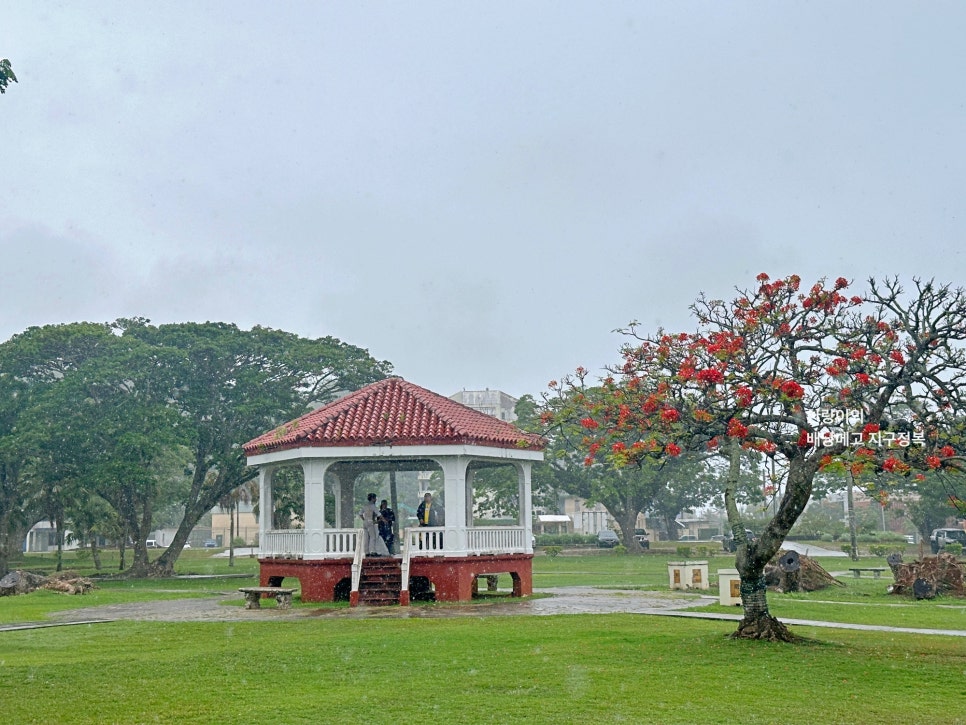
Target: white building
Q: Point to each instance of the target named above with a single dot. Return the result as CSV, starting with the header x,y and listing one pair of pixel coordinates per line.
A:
x,y
491,402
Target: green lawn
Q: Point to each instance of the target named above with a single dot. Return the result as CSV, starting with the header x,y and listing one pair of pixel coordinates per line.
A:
x,y
556,669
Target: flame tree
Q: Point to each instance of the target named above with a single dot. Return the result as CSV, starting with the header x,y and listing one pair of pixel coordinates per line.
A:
x,y
810,378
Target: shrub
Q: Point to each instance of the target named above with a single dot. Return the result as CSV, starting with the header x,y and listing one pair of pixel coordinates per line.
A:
x,y
620,549
684,551
553,551
954,548
885,549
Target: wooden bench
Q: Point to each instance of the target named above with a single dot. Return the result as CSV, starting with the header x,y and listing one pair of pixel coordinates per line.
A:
x,y
253,596
876,571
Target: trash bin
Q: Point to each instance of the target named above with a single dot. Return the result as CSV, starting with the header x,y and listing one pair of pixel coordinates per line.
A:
x,y
729,587
697,573
675,574
688,575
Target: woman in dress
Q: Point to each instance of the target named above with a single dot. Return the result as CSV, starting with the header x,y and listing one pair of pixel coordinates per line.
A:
x,y
369,514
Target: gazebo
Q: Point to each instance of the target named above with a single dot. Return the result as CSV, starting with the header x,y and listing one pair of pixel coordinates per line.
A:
x,y
393,425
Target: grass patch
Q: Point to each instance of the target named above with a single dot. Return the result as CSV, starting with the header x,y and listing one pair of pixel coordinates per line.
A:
x,y
563,668
615,668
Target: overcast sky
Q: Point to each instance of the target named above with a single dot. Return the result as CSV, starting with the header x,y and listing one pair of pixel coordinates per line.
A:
x,y
477,192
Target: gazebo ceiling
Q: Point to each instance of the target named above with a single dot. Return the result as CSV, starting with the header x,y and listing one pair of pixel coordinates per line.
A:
x,y
397,413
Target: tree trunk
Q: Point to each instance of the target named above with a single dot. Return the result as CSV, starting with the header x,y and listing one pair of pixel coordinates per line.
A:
x,y
751,557
853,540
231,533
95,553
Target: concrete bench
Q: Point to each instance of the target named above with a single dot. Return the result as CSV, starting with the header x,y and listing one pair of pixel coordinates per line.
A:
x,y
253,596
876,571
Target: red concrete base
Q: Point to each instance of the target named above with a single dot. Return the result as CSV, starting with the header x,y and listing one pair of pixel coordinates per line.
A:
x,y
317,578
453,578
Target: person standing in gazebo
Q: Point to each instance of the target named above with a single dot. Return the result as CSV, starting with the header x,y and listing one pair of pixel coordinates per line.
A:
x,y
369,514
428,515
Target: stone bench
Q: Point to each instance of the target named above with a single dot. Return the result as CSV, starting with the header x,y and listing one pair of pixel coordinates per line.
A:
x,y
876,571
253,596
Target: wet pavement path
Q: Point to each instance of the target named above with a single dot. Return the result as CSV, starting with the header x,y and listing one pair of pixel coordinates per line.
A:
x,y
562,600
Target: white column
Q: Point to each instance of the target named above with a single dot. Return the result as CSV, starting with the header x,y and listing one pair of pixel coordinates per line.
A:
x,y
336,484
265,502
470,483
454,485
314,471
526,504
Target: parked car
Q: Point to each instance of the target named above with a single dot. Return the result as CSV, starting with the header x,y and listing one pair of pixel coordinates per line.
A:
x,y
151,544
940,537
641,537
607,539
728,542
688,537
211,544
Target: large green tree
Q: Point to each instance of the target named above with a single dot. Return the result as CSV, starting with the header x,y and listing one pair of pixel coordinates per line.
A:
x,y
32,363
6,75
803,376
106,429
145,417
234,384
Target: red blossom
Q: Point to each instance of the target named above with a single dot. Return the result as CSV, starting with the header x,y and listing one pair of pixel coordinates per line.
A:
x,y
737,429
618,447
868,429
743,396
897,357
792,390
858,353
894,465
673,449
670,415
711,376
803,441
589,423
933,462
947,451
841,283
862,379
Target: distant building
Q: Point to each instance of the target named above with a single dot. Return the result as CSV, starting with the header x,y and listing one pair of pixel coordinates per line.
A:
x,y
491,402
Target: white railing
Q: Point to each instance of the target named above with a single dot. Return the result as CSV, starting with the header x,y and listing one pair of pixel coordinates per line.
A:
x,y
424,540
404,565
496,540
290,543
420,541
357,560
342,541
286,543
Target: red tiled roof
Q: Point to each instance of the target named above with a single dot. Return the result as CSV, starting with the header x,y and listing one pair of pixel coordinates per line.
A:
x,y
394,412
